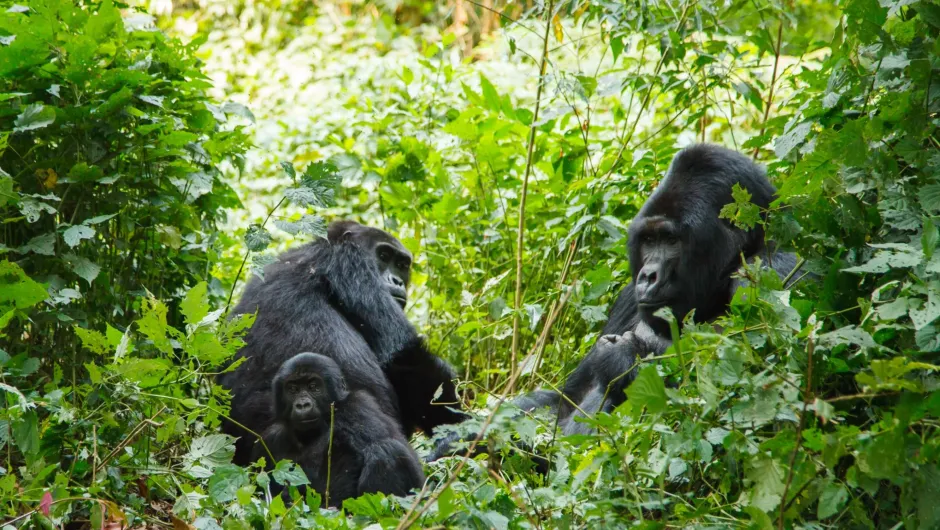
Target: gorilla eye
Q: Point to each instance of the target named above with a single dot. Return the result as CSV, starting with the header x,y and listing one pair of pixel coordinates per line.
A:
x,y
402,264
292,388
384,256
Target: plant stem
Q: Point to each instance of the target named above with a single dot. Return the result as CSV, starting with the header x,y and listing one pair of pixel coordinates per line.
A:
x,y
773,81
520,238
242,266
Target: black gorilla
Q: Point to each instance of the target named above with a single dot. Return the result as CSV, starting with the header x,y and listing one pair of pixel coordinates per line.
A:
x,y
682,256
368,451
341,297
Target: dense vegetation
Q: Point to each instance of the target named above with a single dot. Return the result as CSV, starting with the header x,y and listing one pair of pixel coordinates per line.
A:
x,y
508,146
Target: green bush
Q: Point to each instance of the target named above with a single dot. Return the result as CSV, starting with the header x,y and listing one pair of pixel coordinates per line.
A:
x,y
110,156
816,407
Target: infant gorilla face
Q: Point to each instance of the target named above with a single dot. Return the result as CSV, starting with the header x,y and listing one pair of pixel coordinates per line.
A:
x,y
304,388
305,396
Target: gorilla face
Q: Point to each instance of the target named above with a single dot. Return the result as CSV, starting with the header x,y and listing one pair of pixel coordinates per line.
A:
x,y
656,252
304,387
391,257
394,262
681,253
303,398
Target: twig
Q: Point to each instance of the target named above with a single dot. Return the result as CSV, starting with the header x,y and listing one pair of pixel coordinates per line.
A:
x,y
128,439
554,311
796,268
520,238
242,266
773,81
329,454
807,397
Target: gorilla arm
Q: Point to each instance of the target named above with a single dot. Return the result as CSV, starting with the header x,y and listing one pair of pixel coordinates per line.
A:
x,y
389,464
415,373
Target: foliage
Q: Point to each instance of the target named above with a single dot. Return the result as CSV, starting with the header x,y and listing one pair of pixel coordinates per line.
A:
x,y
812,407
110,154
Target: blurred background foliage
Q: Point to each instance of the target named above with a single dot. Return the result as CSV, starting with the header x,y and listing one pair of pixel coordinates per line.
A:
x,y
142,165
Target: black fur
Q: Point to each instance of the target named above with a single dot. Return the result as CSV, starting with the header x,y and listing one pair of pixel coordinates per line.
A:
x,y
682,215
369,452
335,297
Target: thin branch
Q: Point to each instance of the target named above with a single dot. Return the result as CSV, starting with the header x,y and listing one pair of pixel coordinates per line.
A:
x,y
520,238
242,266
773,81
807,398
329,453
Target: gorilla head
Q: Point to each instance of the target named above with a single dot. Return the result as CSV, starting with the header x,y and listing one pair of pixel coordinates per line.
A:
x,y
681,253
392,258
304,387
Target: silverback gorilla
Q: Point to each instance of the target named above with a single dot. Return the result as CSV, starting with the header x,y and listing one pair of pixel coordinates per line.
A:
x,y
310,391
341,297
682,256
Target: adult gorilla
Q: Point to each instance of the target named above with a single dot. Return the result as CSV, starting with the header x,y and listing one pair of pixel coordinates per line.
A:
x,y
682,256
342,297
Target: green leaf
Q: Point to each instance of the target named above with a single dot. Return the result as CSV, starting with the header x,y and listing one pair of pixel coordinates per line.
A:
x,y
259,262
6,189
929,197
289,169
83,267
317,186
831,500
490,96
445,503
599,279
767,477
312,225
648,390
785,143
76,233
26,434
238,109
929,238
225,482
211,451
289,473
17,290
43,245
847,335
94,374
371,505
101,24
930,310
257,238
36,116
92,340
892,256
884,457
742,212
195,305
534,313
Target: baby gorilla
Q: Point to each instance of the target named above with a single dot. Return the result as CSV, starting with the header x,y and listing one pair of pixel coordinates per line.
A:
x,y
369,453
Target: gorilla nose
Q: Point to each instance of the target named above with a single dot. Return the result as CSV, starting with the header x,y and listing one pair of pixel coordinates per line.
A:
x,y
302,406
396,281
647,280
